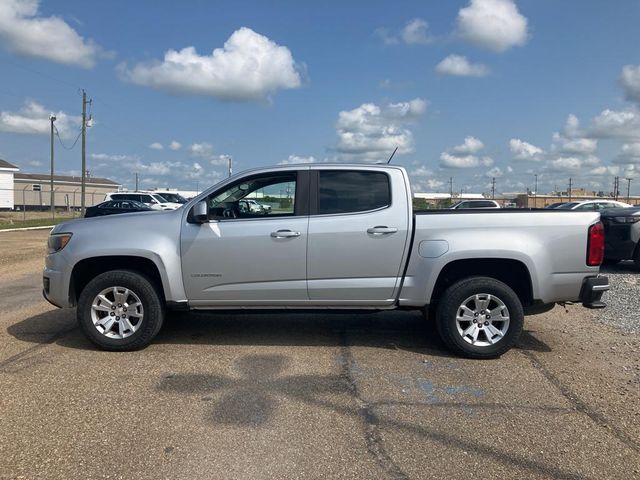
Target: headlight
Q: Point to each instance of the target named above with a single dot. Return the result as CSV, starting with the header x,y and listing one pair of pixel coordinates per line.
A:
x,y
58,241
626,219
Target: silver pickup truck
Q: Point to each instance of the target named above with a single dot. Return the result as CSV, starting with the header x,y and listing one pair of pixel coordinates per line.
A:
x,y
337,237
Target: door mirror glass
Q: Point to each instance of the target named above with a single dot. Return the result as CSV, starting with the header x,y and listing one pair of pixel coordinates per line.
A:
x,y
200,212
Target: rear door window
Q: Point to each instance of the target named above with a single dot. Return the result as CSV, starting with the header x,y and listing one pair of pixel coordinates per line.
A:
x,y
345,191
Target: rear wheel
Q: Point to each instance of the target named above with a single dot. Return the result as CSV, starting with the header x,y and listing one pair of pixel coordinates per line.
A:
x,y
120,310
479,317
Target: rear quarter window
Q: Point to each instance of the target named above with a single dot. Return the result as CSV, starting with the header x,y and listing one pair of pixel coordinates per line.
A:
x,y
345,191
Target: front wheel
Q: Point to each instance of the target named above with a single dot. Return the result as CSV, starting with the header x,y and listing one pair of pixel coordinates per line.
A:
x,y
479,317
120,310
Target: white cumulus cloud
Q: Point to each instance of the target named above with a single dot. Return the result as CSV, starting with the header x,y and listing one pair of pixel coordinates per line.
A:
x,y
293,159
470,145
156,146
204,150
33,118
623,124
249,67
494,172
421,171
563,164
464,155
106,157
201,149
580,145
630,79
416,32
464,161
493,24
371,132
24,31
459,66
175,145
630,153
522,150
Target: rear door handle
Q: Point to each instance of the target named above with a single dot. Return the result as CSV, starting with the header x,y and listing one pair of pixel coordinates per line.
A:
x,y
381,230
284,234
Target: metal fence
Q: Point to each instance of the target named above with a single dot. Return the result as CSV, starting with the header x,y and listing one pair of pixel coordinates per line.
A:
x,y
27,199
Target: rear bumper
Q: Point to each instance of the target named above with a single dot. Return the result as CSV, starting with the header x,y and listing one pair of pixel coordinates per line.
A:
x,y
592,290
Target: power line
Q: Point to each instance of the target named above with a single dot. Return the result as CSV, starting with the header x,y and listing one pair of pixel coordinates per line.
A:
x,y
62,143
38,72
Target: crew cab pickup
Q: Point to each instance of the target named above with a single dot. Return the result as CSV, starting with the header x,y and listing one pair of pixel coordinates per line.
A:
x,y
337,237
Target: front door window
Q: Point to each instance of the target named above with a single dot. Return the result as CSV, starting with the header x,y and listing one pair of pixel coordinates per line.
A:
x,y
272,195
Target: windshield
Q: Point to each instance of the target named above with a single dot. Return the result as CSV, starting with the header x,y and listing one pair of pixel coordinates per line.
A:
x,y
173,197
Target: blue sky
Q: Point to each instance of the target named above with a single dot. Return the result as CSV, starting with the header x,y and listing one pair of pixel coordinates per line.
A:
x,y
466,89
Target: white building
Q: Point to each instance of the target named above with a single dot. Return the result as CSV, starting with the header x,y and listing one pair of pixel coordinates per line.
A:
x,y
6,184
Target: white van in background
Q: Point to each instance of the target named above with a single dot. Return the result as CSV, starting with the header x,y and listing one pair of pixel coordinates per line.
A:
x,y
153,199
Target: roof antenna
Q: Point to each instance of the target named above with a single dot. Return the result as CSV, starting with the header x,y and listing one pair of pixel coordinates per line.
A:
x,y
394,152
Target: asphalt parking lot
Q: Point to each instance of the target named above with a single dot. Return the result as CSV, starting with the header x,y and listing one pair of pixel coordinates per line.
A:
x,y
311,395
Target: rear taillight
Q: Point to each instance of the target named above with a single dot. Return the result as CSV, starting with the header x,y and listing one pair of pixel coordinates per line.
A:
x,y
595,245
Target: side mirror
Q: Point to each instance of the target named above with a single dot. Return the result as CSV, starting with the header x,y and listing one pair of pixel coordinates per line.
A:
x,y
200,212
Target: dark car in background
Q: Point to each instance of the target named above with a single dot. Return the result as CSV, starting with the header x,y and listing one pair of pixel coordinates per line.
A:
x,y
622,234
113,207
465,204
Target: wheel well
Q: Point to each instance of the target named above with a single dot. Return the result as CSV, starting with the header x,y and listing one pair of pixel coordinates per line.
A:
x,y
511,272
85,270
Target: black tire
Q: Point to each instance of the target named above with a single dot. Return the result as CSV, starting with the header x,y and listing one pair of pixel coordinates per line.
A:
x,y
452,300
636,257
152,304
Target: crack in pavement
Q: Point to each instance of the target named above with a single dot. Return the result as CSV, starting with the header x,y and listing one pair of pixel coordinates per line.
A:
x,y
578,404
371,422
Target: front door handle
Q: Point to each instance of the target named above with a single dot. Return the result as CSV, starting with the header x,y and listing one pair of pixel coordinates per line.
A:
x,y
284,234
381,230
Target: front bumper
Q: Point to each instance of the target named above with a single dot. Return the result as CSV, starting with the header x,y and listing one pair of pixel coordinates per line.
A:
x,y
56,277
592,290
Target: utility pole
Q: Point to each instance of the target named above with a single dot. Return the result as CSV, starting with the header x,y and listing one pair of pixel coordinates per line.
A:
x,y
535,192
230,162
628,188
52,118
136,181
451,188
569,192
616,187
84,148
493,188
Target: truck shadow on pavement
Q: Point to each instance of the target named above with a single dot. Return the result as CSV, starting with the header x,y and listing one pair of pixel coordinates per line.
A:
x,y
401,330
250,398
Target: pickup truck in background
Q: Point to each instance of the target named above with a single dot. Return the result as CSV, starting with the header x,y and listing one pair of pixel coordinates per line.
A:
x,y
622,235
341,237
